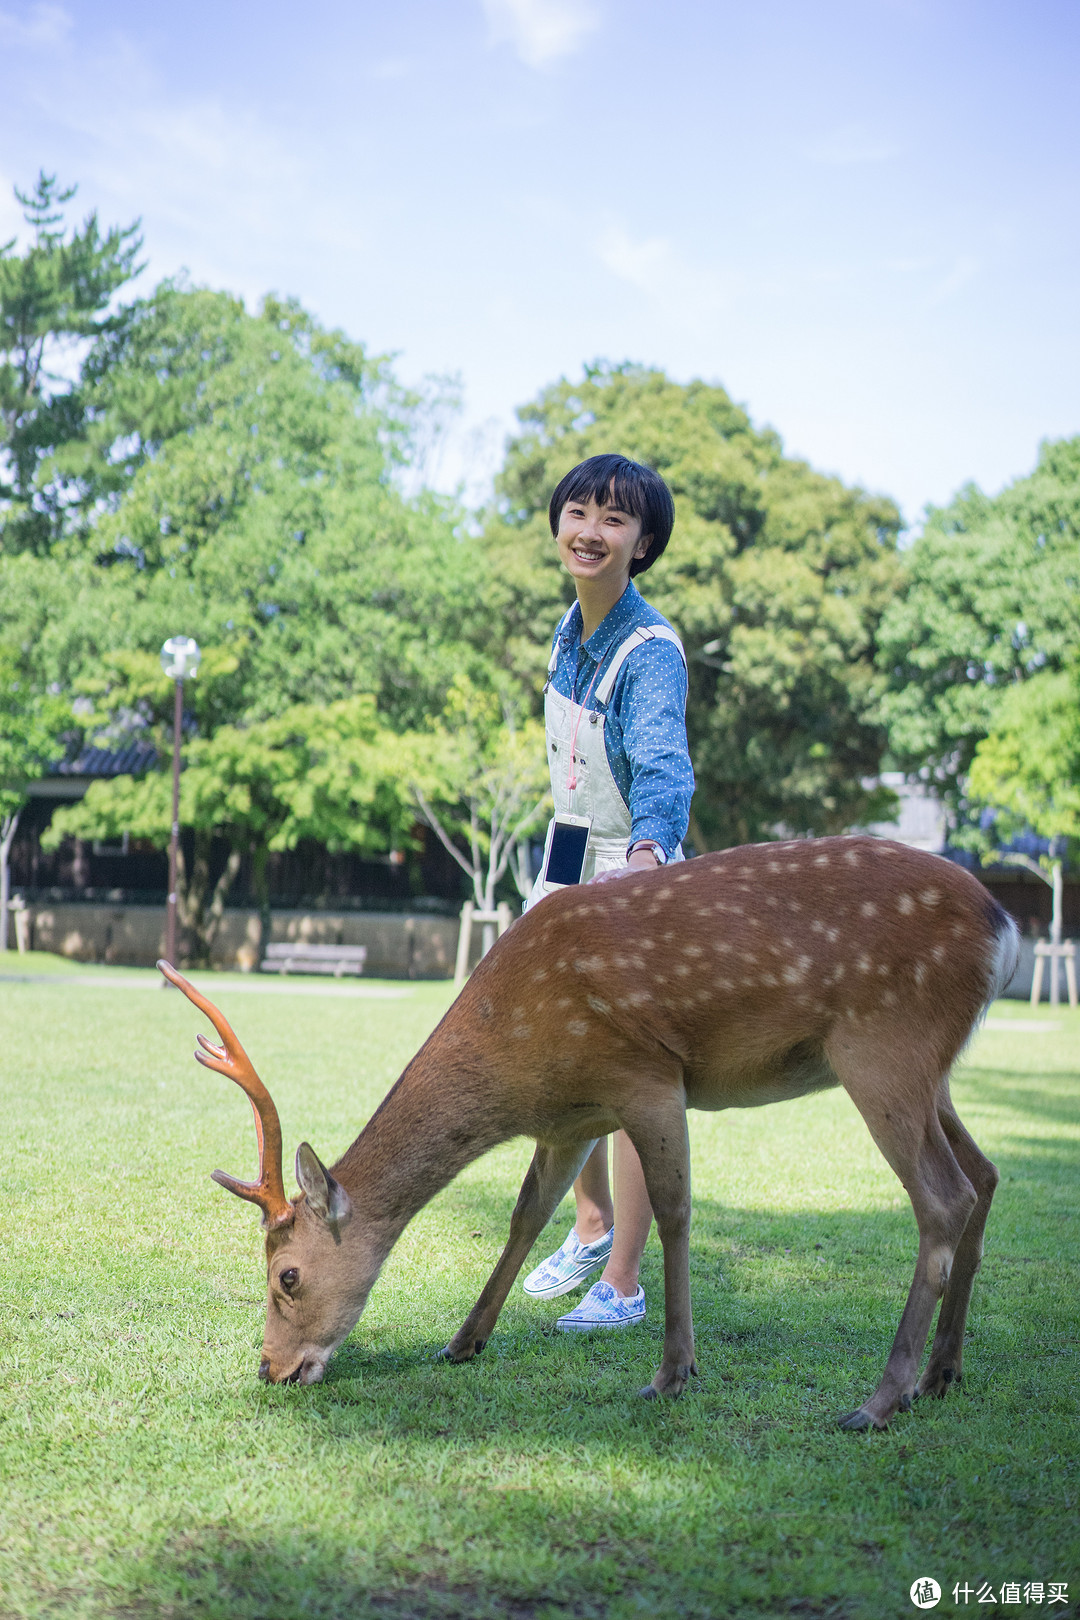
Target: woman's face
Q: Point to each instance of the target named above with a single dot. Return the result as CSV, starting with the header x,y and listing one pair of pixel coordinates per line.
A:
x,y
598,543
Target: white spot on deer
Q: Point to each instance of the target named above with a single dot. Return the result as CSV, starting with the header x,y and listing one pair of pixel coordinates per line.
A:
x,y
647,944
930,897
723,945
621,901
561,963
851,857
693,950
684,877
771,980
540,976
590,964
564,1001
832,935
789,945
771,900
883,970
577,1026
521,1032
748,956
792,975
905,904
683,971
776,866
664,894
638,998
821,860
920,972
817,926
836,975
868,908
864,964
725,984
938,953
888,999
597,1005
957,930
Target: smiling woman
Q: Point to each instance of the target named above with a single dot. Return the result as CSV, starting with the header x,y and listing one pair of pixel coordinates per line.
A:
x,y
625,778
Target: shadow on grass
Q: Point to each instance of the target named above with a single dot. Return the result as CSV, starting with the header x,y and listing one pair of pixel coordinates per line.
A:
x,y
223,1576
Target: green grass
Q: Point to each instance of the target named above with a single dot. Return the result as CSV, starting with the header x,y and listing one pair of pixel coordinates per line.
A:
x,y
147,1473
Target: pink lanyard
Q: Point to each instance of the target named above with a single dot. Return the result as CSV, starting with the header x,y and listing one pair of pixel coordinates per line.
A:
x,y
571,775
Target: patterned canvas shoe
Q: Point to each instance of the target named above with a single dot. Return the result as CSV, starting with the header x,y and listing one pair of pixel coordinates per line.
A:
x,y
602,1307
568,1266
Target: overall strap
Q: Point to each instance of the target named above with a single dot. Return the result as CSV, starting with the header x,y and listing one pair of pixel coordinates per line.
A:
x,y
563,622
644,633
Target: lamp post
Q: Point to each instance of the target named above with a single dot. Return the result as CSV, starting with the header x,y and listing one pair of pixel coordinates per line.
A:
x,y
180,660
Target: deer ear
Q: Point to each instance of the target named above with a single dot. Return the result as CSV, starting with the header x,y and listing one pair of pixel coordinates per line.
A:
x,y
326,1197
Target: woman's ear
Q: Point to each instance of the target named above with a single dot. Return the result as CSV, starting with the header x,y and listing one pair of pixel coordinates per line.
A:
x,y
642,547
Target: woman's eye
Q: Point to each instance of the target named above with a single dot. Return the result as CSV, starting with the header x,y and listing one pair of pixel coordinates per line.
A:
x,y
289,1279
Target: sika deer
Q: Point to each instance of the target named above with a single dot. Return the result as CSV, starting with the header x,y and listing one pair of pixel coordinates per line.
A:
x,y
736,979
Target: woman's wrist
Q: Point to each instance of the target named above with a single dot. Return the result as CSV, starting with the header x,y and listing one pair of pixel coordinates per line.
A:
x,y
647,846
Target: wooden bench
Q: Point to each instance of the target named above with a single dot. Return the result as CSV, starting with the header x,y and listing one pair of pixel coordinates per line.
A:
x,y
296,956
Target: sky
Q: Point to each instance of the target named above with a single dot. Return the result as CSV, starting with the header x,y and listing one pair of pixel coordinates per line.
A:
x,y
859,216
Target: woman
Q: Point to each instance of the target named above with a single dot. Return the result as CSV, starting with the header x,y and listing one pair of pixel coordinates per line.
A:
x,y
615,706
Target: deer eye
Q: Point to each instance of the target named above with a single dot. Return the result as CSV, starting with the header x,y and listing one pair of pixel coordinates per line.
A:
x,y
289,1279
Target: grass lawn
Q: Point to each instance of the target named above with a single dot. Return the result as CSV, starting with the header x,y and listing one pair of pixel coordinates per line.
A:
x,y
146,1471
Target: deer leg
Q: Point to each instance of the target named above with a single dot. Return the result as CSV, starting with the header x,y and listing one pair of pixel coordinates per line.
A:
x,y
946,1354
663,1146
902,1117
553,1169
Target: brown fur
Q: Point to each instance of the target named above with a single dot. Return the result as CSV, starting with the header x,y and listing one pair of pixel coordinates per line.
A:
x,y
732,980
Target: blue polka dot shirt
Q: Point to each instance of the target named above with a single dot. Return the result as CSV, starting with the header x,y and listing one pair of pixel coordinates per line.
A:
x,y
645,730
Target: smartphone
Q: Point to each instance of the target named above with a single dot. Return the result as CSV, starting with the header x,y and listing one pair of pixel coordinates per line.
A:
x,y
564,851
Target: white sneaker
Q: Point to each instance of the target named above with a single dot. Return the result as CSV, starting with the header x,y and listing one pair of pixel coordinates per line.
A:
x,y
568,1266
603,1307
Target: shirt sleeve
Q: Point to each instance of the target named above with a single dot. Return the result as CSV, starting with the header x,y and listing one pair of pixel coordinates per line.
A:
x,y
650,708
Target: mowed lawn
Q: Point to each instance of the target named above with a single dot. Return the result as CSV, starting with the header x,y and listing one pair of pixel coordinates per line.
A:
x,y
146,1471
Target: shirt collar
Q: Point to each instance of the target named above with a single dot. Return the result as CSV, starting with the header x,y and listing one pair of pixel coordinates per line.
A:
x,y
615,625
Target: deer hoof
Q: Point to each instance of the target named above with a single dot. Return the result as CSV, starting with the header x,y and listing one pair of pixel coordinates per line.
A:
x,y
858,1421
648,1393
459,1353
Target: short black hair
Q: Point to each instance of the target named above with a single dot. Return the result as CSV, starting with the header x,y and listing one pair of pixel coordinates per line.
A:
x,y
617,481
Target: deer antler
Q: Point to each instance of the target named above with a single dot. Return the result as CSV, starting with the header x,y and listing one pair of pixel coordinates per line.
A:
x,y
231,1060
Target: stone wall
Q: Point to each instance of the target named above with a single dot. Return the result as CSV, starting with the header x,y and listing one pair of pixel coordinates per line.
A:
x,y
399,946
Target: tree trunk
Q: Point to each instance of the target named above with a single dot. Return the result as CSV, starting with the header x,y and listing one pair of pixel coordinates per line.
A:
x,y
200,909
8,828
260,882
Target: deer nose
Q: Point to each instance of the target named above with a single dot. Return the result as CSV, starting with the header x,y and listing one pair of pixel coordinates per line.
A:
x,y
264,1369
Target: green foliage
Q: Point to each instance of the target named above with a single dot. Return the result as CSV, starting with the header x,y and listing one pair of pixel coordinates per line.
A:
x,y
776,578
52,296
31,728
479,775
148,1472
1027,769
992,597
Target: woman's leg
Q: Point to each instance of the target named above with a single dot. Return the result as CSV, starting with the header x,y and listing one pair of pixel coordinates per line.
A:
x,y
592,1195
633,1218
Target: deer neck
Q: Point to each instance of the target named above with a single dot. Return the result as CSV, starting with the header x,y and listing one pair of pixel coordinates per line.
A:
x,y
436,1120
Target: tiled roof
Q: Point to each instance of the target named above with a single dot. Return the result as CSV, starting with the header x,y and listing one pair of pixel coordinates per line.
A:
x,y
129,761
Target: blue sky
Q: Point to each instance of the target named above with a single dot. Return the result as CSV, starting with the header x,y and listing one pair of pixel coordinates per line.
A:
x,y
860,216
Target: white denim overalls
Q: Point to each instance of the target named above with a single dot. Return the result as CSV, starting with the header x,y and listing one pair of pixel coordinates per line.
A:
x,y
596,793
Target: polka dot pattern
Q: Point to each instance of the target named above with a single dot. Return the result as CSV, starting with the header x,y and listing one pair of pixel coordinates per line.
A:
x,y
645,730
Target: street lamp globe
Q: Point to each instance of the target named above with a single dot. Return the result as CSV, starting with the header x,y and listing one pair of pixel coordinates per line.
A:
x,y
180,658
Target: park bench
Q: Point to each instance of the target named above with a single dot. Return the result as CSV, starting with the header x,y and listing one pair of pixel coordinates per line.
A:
x,y
296,956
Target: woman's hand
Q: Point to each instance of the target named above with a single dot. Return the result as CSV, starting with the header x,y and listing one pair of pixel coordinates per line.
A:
x,y
642,860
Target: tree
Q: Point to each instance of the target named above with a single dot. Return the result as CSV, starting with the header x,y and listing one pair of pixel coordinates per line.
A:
x,y
328,772
31,724
776,580
54,297
991,597
480,780
1025,777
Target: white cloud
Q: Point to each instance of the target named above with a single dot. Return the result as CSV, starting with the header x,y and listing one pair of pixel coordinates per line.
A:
x,y
964,270
684,290
43,25
540,31
851,144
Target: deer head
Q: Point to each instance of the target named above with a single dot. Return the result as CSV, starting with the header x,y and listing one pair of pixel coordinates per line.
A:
x,y
320,1263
